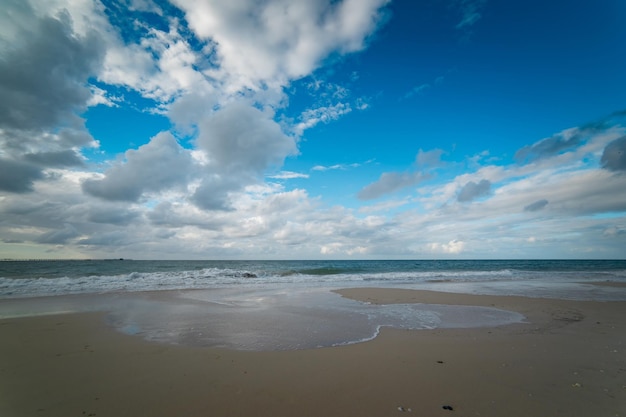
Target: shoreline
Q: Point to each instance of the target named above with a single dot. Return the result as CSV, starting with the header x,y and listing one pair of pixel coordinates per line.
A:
x,y
568,359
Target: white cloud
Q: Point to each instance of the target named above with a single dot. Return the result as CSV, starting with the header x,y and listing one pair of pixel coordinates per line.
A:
x,y
312,117
44,68
272,42
223,86
331,248
161,65
242,138
362,103
335,167
383,206
288,175
159,165
240,142
452,247
145,6
100,96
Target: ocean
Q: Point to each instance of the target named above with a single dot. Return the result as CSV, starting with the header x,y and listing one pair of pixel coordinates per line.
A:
x,y
278,305
46,278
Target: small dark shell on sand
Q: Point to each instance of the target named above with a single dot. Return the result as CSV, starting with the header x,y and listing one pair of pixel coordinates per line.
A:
x,y
447,407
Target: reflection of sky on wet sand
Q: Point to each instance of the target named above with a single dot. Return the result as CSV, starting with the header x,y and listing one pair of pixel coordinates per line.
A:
x,y
281,320
275,318
564,290
257,319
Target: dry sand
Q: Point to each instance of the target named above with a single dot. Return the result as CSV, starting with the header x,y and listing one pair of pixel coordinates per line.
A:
x,y
568,360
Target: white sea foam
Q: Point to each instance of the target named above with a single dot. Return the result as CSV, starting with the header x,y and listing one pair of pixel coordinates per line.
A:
x,y
206,278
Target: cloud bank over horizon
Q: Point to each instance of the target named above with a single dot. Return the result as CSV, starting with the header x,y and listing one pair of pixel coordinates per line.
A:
x,y
269,137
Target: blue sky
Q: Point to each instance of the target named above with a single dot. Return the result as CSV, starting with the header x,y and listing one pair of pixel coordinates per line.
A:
x,y
312,129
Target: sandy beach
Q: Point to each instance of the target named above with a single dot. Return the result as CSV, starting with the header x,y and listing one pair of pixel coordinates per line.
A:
x,y
567,359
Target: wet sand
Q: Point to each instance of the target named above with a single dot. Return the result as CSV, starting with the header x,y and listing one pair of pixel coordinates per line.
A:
x,y
568,359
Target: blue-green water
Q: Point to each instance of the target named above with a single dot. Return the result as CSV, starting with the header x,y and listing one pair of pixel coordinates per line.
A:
x,y
40,278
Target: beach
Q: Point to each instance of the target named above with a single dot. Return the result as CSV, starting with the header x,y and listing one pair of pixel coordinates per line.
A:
x,y
568,358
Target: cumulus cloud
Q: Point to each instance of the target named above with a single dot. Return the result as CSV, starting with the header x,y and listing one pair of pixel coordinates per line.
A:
x,y
213,192
67,158
452,247
390,182
614,155
240,138
537,205
44,69
180,215
159,165
240,143
112,214
221,86
18,176
271,42
44,72
472,190
223,81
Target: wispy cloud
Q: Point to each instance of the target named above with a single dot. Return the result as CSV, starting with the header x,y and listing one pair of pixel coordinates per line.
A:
x,y
417,90
390,182
287,175
561,142
342,167
384,206
312,117
471,12
422,88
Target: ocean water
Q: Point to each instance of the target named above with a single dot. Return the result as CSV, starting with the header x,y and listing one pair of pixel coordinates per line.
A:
x,y
551,278
277,305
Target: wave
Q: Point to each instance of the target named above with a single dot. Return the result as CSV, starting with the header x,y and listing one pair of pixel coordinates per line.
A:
x,y
206,278
322,271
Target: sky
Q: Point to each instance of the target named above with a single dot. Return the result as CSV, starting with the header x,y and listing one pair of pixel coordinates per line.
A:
x,y
312,129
